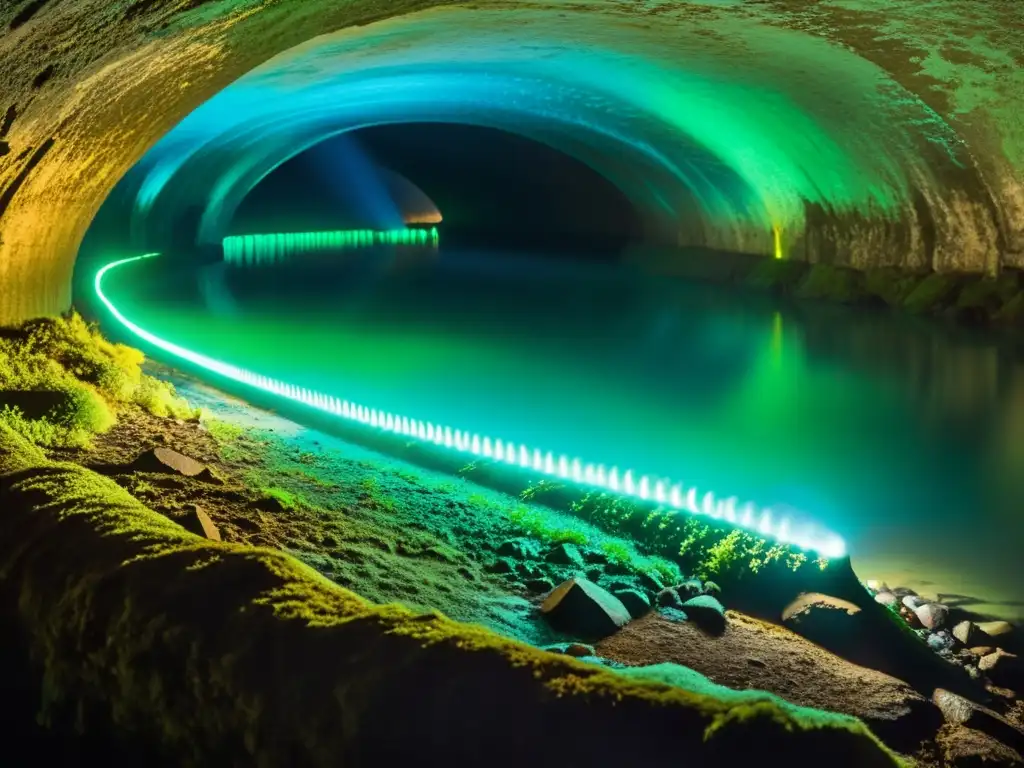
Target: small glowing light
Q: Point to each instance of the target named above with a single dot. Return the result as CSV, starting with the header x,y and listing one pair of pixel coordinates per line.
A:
x,y
563,466
675,497
659,492
644,488
777,235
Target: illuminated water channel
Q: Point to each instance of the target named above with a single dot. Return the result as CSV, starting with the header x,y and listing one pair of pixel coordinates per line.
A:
x,y
905,438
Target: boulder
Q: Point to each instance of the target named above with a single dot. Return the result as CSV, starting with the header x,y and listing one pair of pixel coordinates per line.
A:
x,y
706,612
964,632
198,522
962,747
689,588
582,608
957,710
941,642
932,616
565,554
167,461
636,602
650,581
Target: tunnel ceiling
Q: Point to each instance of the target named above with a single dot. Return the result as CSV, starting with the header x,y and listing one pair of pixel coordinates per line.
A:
x,y
862,132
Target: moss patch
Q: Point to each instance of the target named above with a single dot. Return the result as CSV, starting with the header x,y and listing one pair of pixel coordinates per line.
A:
x,y
223,652
61,383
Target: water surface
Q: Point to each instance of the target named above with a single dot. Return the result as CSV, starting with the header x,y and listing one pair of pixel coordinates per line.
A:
x,y
906,438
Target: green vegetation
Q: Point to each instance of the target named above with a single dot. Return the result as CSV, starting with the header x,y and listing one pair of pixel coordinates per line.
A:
x,y
61,382
222,431
546,527
266,605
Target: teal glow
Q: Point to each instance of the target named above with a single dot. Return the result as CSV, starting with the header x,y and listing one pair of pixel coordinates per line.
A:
x,y
722,131
269,248
765,522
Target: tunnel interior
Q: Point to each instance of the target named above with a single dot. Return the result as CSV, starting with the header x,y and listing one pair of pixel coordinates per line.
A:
x,y
492,188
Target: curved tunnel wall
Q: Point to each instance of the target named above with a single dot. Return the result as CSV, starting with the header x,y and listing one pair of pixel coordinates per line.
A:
x,y
866,132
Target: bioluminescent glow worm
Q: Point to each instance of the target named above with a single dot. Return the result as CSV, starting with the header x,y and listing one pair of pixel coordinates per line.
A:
x,y
761,521
261,249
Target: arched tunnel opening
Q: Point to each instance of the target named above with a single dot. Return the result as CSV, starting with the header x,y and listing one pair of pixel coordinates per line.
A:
x,y
580,323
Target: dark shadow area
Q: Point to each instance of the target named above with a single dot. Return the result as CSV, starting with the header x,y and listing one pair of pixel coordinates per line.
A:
x,y
493,188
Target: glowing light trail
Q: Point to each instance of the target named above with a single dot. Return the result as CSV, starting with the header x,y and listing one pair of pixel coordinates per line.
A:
x,y
762,522
261,249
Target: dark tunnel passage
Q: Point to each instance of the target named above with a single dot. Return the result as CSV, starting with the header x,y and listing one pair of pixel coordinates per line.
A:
x,y
492,188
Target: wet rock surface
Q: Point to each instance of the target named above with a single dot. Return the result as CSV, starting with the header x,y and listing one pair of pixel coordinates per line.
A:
x,y
583,608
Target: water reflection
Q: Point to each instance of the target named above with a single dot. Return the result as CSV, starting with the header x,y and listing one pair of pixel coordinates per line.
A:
x,y
905,437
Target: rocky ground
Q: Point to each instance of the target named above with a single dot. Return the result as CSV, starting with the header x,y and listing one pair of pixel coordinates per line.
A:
x,y
393,532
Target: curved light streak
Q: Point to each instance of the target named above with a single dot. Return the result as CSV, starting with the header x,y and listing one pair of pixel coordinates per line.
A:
x,y
764,522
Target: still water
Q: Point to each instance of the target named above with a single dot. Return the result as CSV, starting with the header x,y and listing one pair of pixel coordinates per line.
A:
x,y
906,438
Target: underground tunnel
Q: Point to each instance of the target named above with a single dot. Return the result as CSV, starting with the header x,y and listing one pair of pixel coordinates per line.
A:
x,y
682,338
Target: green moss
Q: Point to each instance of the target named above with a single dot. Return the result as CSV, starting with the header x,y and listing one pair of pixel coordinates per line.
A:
x,y
777,275
934,292
545,526
204,648
62,382
832,283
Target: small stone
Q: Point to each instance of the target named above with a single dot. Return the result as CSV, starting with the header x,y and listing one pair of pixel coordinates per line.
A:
x,y
207,476
982,650
913,602
581,607
636,602
565,554
887,599
578,650
876,586
167,461
539,586
1003,669
706,612
689,588
964,632
198,522
668,598
902,592
932,615
941,642
1000,633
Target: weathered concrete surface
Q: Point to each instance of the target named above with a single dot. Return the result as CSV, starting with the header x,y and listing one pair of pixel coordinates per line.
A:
x,y
87,86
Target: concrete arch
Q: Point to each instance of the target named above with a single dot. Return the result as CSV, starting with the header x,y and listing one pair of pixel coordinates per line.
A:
x,y
849,126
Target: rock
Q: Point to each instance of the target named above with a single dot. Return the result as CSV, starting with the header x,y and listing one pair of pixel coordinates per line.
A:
x,y
269,504
887,599
902,592
636,602
528,570
1003,669
167,461
207,476
982,650
582,608
941,642
539,586
706,612
616,568
876,586
909,616
964,632
595,557
668,598
198,522
831,622
932,615
501,566
997,633
710,588
960,711
913,602
650,581
565,554
594,574
963,747
578,650
689,588
516,548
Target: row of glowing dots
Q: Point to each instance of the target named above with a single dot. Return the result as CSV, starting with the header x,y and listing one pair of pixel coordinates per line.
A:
x,y
329,239
660,491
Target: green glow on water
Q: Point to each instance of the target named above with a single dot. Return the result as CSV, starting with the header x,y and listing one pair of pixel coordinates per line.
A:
x,y
270,248
765,522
